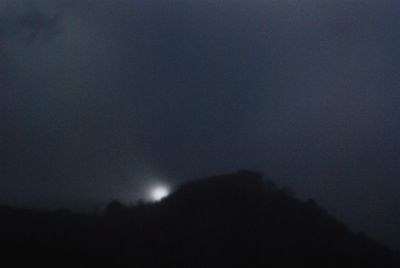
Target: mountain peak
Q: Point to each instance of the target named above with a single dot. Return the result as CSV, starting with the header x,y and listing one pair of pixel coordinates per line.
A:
x,y
229,220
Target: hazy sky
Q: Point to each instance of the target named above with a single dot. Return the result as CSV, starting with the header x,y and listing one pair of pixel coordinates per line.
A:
x,y
100,98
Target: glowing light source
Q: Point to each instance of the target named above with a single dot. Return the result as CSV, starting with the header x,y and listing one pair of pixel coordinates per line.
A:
x,y
158,192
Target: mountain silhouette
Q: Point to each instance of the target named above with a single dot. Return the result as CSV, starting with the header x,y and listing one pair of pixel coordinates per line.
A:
x,y
232,220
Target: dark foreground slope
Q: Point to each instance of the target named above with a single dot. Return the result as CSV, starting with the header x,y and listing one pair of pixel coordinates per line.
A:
x,y
237,220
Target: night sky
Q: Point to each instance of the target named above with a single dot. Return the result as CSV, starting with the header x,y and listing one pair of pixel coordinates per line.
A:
x,y
99,99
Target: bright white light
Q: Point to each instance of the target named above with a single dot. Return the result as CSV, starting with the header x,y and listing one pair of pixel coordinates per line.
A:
x,y
159,192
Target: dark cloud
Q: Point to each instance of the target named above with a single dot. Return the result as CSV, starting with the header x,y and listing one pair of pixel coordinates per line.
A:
x,y
28,23
117,93
36,24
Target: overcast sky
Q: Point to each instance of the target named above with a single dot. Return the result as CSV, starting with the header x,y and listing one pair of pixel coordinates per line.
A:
x,y
100,98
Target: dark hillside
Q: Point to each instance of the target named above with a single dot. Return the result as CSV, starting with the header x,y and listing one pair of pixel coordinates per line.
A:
x,y
230,220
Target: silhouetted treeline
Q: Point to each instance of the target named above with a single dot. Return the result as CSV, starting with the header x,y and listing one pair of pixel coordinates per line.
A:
x,y
234,220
